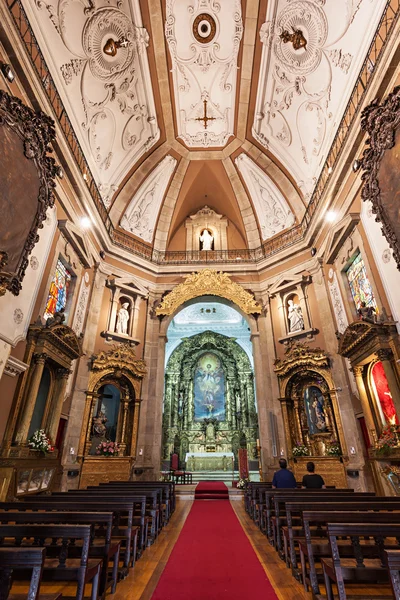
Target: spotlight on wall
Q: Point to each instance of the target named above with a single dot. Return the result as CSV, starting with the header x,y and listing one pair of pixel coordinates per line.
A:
x,y
356,165
60,172
85,222
330,216
102,254
313,251
7,72
329,170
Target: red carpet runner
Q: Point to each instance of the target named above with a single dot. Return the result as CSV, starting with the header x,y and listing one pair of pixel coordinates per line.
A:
x,y
213,560
211,490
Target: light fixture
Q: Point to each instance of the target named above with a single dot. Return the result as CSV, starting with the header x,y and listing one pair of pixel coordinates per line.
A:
x,y
102,254
313,251
111,46
85,222
7,72
85,177
356,165
60,172
330,216
330,170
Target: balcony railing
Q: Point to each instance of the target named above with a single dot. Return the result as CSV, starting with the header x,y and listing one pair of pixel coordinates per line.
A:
x,y
270,247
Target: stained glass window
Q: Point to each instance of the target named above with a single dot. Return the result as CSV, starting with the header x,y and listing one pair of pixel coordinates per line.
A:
x,y
58,292
360,286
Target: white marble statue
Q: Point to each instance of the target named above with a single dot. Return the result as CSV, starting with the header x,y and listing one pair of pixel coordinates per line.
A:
x,y
122,319
206,240
295,317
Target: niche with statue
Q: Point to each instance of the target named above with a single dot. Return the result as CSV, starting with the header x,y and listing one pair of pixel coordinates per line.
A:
x,y
123,316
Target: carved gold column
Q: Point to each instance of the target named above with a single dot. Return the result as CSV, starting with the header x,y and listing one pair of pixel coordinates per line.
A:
x,y
369,419
135,428
385,355
125,408
89,409
299,433
285,414
29,406
57,402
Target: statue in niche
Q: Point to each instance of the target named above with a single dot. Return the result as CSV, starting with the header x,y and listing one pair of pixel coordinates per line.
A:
x,y
210,437
295,316
99,425
316,410
206,240
123,319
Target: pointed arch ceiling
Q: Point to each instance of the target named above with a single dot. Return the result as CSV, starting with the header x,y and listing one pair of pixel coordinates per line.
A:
x,y
272,102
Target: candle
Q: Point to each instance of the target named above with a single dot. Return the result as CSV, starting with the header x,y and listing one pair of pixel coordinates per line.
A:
x,y
258,442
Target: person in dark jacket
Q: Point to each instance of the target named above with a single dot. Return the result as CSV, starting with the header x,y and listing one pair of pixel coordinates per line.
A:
x,y
283,478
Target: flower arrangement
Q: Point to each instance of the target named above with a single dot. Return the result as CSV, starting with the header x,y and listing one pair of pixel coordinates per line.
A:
x,y
108,448
40,441
389,438
300,449
242,483
333,448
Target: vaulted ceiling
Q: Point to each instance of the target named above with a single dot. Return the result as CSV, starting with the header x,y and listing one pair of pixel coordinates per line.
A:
x,y
178,104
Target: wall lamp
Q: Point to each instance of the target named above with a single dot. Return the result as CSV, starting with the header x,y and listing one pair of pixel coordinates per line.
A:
x,y
7,71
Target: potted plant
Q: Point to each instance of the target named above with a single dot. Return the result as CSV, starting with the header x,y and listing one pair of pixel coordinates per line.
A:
x,y
242,483
300,449
108,448
40,442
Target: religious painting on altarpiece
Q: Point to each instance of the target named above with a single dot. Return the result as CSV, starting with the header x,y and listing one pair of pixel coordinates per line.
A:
x,y
315,410
209,388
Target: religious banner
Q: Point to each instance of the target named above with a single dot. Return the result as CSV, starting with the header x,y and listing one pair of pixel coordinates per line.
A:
x,y
243,463
383,395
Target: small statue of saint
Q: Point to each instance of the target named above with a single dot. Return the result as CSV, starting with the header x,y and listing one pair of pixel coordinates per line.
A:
x,y
57,318
295,317
122,319
99,427
366,313
206,240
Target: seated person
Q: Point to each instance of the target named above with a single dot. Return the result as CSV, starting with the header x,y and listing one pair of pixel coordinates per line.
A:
x,y
283,478
312,480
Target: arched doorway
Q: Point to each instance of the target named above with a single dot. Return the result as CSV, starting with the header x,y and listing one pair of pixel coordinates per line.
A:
x,y
209,394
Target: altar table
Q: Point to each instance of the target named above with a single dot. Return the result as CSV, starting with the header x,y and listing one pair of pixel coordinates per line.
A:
x,y
209,461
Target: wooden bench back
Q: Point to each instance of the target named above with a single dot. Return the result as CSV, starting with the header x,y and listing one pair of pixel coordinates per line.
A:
x,y
21,558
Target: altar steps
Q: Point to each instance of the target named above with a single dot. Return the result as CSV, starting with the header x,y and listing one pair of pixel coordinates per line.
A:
x,y
225,476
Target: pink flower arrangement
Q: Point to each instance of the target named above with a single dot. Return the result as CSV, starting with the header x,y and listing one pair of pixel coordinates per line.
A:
x,y
108,448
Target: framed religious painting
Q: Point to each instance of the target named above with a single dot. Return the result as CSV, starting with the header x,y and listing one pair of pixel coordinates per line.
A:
x,y
314,404
380,163
27,177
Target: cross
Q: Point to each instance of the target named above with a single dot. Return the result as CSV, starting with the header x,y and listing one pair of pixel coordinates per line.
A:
x,y
204,117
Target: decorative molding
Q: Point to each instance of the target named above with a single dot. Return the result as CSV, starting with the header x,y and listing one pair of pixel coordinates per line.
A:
x,y
204,68
381,122
300,355
36,131
206,218
109,98
273,212
208,283
337,303
120,357
78,240
15,367
141,215
303,90
362,338
81,305
339,235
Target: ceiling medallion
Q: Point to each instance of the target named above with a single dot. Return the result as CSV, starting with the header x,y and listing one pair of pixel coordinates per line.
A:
x,y
204,28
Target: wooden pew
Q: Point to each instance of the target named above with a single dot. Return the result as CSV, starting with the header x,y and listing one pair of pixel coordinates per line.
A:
x,y
100,547
278,519
152,509
270,508
314,545
393,563
360,570
127,534
57,565
168,501
14,559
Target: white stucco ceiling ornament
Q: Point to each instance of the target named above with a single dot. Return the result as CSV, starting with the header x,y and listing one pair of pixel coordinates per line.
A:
x,y
141,215
312,52
108,97
273,212
203,39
